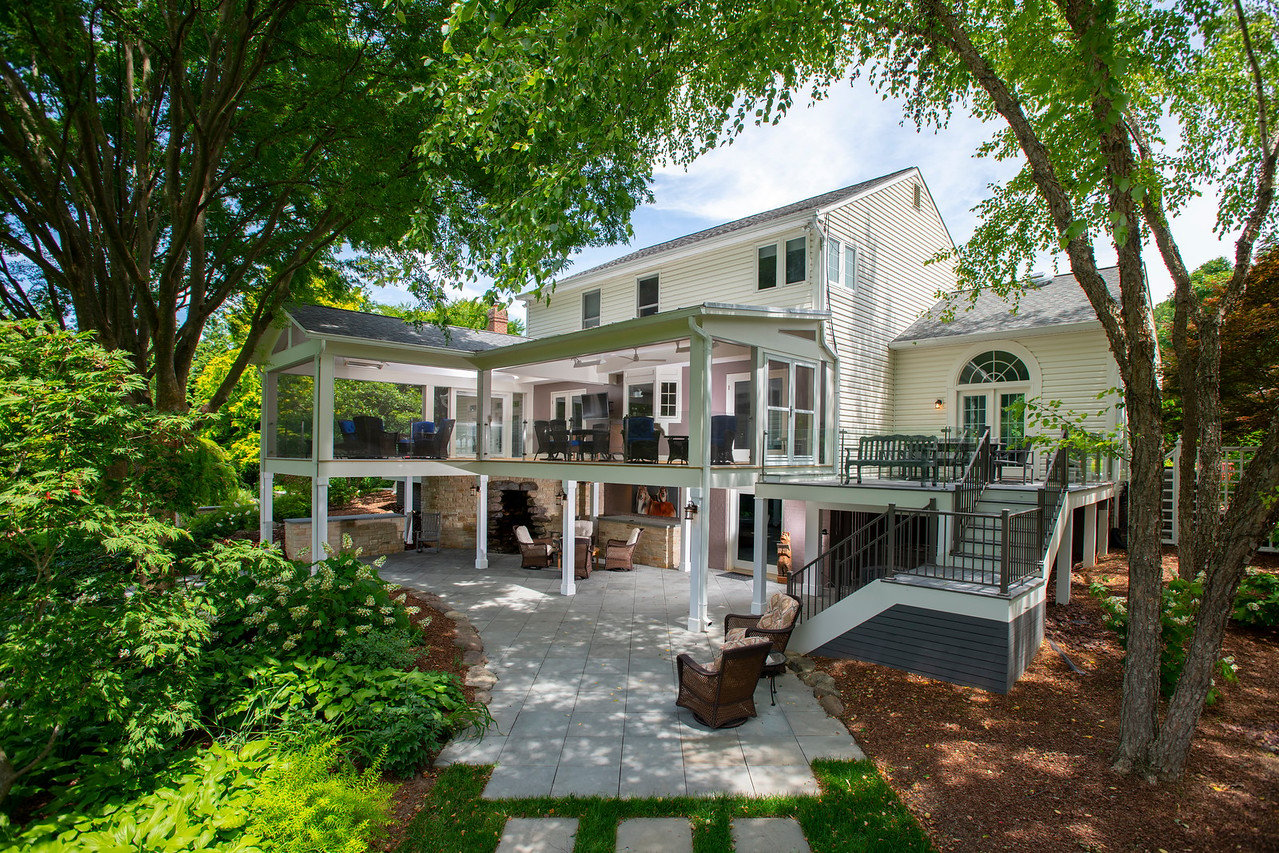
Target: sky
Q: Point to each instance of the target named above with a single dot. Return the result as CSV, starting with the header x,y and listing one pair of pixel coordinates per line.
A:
x,y
851,136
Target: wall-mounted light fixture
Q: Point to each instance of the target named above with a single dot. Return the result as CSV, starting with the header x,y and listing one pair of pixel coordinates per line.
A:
x,y
475,489
938,404
560,497
690,510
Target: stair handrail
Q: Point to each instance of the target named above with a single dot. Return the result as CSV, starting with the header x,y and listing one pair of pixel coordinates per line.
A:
x,y
971,485
875,536
1051,495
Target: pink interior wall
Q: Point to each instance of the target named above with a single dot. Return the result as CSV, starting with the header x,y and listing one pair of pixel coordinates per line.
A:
x,y
719,556
794,521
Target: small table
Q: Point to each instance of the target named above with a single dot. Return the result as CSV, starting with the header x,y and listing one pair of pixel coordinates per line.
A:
x,y
677,449
774,665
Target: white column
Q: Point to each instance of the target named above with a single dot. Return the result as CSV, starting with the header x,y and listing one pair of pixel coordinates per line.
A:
x,y
266,495
322,426
812,536
1065,553
483,413
568,541
759,585
697,575
1090,536
319,517
482,523
409,505
1103,530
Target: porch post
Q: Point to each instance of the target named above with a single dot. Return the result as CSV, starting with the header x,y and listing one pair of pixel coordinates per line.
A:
x,y
409,505
483,412
319,517
266,511
322,426
482,523
1065,555
698,575
685,537
1090,536
759,585
1103,529
568,540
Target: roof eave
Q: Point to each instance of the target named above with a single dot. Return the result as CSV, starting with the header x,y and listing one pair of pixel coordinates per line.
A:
x,y
995,334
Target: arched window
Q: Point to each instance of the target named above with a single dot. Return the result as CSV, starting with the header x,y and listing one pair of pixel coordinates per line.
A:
x,y
994,366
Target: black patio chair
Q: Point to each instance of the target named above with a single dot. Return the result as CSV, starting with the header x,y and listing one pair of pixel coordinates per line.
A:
x,y
723,431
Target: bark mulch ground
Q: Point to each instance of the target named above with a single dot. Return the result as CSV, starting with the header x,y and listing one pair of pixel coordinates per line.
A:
x,y
438,655
1030,770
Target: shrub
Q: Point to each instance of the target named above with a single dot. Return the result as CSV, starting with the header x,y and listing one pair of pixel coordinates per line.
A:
x,y
267,602
1180,606
314,801
396,648
203,804
409,714
222,522
1257,602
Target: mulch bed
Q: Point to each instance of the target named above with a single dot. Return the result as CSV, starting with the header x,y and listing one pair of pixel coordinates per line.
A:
x,y
438,655
1030,770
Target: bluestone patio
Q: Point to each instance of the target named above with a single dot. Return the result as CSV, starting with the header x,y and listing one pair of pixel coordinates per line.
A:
x,y
585,698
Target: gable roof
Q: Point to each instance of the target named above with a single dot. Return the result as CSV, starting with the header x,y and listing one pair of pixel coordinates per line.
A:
x,y
1059,302
807,205
322,321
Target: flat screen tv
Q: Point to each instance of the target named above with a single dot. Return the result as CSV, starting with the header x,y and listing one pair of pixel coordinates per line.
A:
x,y
595,406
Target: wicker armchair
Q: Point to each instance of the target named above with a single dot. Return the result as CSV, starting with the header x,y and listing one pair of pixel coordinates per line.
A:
x,y
583,557
723,694
534,553
774,624
619,555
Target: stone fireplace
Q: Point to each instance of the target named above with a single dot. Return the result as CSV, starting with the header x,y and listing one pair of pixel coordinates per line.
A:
x,y
511,504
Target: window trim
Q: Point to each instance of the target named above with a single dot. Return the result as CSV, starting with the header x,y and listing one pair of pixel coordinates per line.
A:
x,y
759,260
778,245
599,308
656,304
671,376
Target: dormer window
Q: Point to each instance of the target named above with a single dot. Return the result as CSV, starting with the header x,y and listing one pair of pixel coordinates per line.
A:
x,y
795,253
590,309
646,296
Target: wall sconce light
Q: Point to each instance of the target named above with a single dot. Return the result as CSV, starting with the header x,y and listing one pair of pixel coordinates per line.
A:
x,y
690,510
475,489
938,404
560,497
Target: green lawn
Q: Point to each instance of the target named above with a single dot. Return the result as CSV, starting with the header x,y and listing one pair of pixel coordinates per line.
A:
x,y
855,811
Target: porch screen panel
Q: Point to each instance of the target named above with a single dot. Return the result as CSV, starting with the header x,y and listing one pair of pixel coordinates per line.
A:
x,y
517,425
397,405
779,414
293,418
805,409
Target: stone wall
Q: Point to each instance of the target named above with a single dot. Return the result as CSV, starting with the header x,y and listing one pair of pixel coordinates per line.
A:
x,y
375,535
658,546
453,499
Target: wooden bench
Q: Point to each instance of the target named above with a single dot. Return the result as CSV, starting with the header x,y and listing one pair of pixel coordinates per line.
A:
x,y
903,452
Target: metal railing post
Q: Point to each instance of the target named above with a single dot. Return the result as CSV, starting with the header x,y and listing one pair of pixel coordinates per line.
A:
x,y
843,473
1003,551
891,545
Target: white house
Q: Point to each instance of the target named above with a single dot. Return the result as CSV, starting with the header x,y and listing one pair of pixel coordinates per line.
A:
x,y
787,371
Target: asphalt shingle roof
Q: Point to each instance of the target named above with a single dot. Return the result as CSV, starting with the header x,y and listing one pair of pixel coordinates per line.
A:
x,y
809,204
1060,301
321,320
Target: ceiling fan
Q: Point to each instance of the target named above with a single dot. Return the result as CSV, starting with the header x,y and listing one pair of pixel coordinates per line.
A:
x,y
635,358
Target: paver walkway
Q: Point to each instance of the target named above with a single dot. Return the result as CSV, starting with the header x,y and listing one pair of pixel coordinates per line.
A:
x,y
538,835
655,835
768,835
585,702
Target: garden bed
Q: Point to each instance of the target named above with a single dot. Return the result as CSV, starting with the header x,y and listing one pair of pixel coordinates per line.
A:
x,y
1030,770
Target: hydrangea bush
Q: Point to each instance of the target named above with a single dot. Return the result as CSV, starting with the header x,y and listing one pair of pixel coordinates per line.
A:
x,y
262,600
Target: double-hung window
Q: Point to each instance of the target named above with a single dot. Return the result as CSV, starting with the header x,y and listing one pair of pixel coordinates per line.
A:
x,y
841,263
590,309
793,255
646,296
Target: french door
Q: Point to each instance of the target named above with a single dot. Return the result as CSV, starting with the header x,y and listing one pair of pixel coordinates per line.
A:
x,y
1002,410
465,434
738,395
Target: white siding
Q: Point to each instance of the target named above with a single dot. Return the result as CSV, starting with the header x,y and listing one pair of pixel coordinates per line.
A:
x,y
894,239
724,273
1073,367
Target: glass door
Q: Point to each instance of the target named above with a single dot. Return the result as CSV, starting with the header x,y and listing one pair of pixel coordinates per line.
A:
x,y
465,433
792,411
974,410
744,552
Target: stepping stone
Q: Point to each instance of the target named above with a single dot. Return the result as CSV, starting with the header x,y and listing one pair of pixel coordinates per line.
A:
x,y
768,835
655,835
538,835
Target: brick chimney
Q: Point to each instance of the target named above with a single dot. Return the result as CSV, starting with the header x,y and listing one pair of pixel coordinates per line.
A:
x,y
497,320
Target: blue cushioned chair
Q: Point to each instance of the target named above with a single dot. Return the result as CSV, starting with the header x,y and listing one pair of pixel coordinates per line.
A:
x,y
723,430
639,439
